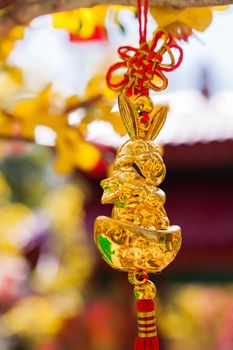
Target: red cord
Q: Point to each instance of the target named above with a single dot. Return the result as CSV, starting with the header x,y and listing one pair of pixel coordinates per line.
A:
x,y
143,33
140,20
146,9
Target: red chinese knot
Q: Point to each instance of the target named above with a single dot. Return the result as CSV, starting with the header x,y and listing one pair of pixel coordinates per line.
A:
x,y
145,65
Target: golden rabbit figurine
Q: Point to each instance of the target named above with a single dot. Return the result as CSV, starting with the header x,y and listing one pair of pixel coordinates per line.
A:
x,y
138,236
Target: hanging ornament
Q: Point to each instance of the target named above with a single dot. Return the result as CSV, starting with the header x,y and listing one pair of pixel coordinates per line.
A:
x,y
138,238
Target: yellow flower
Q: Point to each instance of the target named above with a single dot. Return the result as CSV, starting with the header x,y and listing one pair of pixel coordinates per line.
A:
x,y
104,112
183,21
97,86
82,21
74,152
13,217
51,110
103,107
20,119
5,191
34,316
7,42
11,85
46,109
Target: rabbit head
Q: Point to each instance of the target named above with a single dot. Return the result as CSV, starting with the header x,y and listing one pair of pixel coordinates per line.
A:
x,y
142,156
140,153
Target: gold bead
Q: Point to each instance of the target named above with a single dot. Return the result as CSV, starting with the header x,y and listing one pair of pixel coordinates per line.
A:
x,y
137,278
145,291
145,103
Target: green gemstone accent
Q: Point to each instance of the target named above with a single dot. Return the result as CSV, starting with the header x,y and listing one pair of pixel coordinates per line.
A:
x,y
138,110
105,247
106,187
119,204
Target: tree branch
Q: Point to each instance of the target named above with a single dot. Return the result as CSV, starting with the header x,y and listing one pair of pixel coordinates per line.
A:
x,y
14,12
16,138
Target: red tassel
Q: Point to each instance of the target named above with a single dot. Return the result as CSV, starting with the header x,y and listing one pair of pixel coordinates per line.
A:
x,y
146,343
147,338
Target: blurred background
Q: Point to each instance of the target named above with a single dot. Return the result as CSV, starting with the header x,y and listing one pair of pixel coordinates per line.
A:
x,y
59,131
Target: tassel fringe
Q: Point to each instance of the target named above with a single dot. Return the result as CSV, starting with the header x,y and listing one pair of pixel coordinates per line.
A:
x,y
151,343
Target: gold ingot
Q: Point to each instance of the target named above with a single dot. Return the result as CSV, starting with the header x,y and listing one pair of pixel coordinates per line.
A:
x,y
146,291
130,248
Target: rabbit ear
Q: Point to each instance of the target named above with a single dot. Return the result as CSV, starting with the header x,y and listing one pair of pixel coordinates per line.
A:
x,y
128,115
157,123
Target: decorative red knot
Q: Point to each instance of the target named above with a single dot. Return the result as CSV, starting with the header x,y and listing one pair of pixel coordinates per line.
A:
x,y
144,66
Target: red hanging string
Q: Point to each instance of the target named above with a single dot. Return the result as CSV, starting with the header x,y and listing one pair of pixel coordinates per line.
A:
x,y
146,9
140,20
142,32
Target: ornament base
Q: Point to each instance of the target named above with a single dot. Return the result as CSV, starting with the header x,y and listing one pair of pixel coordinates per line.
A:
x,y
129,248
